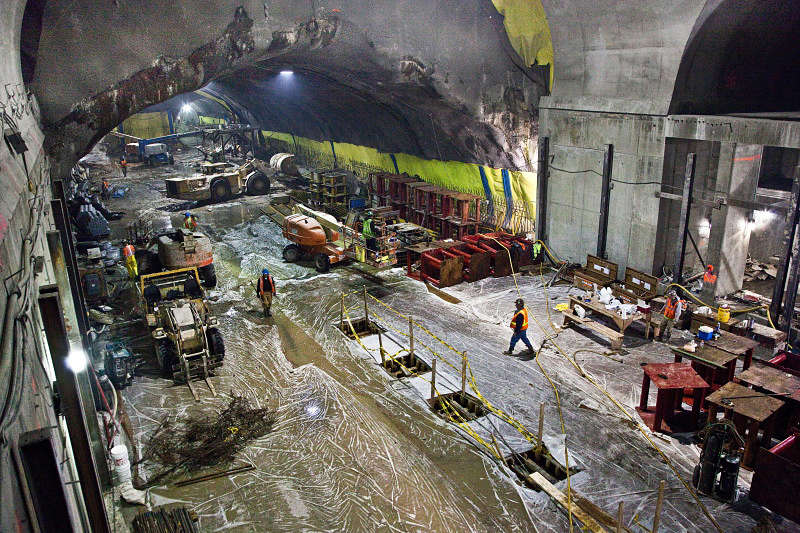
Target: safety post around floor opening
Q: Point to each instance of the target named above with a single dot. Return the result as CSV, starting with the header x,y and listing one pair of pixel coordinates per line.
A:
x,y
463,372
380,349
433,379
341,314
659,504
411,339
366,310
540,435
497,449
620,528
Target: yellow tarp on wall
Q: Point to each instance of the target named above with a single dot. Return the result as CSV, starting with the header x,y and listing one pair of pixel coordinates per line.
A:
x,y
526,25
454,175
147,125
202,119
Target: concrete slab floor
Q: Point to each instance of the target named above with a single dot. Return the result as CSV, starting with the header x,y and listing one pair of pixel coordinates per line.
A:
x,y
356,450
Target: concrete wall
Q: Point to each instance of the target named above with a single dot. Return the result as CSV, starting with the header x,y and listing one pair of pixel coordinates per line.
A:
x,y
577,143
18,188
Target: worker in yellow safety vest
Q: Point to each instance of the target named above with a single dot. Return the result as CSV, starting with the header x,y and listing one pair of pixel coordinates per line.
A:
x,y
129,253
672,312
520,326
190,221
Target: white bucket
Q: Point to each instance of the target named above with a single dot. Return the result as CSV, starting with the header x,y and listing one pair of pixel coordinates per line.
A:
x,y
122,467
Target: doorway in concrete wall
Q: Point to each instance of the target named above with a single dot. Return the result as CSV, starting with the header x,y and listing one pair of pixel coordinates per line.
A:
x,y
770,220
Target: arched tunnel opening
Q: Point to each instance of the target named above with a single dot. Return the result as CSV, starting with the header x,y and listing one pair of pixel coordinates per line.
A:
x,y
737,60
261,262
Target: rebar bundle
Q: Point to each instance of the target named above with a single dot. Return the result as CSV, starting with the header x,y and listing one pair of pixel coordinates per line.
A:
x,y
201,441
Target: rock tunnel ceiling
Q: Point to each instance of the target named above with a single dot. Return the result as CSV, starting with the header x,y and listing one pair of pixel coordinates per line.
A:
x,y
436,79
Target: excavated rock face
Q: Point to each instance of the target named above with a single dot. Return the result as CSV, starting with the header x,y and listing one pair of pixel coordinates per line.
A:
x,y
436,78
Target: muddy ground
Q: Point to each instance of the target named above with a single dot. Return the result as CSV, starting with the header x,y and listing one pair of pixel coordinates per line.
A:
x,y
356,450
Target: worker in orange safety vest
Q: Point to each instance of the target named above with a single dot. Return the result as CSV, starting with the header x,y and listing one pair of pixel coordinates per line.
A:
x,y
123,163
520,326
672,312
129,253
265,290
709,276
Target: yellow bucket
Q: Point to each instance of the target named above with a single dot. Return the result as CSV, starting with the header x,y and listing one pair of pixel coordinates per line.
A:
x,y
724,314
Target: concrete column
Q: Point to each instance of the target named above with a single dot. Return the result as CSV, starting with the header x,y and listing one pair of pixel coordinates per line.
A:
x,y
737,175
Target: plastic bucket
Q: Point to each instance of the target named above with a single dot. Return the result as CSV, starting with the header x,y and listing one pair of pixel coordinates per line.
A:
x,y
119,459
724,314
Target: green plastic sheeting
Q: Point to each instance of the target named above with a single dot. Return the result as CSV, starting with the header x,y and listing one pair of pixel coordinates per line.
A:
x,y
526,25
202,119
147,125
454,175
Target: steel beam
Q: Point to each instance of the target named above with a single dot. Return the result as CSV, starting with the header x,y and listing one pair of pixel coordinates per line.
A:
x,y
683,225
542,180
789,255
73,409
605,201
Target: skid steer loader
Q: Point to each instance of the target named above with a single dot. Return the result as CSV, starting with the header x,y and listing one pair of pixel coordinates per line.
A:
x,y
186,339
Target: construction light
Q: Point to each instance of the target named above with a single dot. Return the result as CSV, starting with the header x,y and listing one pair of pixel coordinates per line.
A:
x,y
77,361
287,72
187,108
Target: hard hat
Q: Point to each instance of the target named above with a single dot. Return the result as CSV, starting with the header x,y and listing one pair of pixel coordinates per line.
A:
x,y
187,214
265,272
710,268
520,302
672,293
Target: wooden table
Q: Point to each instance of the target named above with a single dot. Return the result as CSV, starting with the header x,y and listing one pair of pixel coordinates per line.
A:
x,y
731,342
711,320
671,379
773,380
596,307
776,381
750,411
714,365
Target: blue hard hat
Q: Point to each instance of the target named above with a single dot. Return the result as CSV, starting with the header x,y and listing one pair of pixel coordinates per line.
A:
x,y
265,272
187,214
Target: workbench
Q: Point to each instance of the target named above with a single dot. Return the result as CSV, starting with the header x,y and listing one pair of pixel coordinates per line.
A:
x,y
595,306
714,365
750,411
671,379
732,343
774,381
698,320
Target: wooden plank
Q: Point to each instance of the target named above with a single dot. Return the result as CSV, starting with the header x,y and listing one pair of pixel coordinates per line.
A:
x,y
561,498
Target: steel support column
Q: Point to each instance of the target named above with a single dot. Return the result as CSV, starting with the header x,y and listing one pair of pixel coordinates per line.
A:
x,y
605,201
73,409
683,225
789,256
542,179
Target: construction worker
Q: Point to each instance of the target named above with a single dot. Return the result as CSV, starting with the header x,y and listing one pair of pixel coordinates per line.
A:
x,y
123,163
369,232
129,253
520,326
265,289
190,221
672,312
709,278
105,191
